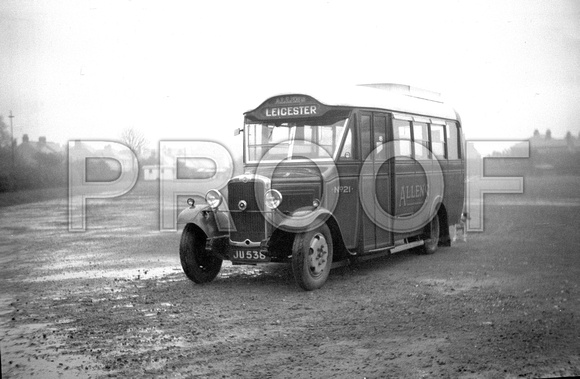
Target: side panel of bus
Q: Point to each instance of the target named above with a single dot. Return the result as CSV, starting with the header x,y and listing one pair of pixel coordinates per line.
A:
x,y
410,180
431,143
401,184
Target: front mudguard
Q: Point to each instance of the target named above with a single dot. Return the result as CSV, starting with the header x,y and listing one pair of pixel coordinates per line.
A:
x,y
313,218
302,219
213,222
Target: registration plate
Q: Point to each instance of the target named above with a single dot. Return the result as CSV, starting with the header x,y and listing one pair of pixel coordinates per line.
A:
x,y
248,255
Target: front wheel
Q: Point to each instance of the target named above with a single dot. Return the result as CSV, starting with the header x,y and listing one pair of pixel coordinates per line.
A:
x,y
431,237
198,265
312,258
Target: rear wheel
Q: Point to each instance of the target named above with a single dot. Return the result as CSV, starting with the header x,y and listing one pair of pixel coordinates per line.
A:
x,y
198,265
431,236
312,258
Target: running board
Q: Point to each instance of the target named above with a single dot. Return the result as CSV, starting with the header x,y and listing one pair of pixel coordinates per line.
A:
x,y
390,250
407,246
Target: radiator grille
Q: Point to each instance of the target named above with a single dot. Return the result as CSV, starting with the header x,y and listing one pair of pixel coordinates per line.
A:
x,y
250,223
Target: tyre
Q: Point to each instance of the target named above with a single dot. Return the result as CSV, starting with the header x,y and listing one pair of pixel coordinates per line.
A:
x,y
198,265
431,236
312,258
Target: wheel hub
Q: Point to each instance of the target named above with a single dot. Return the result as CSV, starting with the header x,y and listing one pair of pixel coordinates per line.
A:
x,y
318,254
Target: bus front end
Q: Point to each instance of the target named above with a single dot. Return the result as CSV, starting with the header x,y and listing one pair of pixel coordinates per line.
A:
x,y
275,211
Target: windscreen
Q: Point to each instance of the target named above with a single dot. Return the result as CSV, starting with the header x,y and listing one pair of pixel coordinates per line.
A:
x,y
312,139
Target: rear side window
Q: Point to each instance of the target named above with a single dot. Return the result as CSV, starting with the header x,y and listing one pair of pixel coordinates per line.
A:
x,y
452,141
438,140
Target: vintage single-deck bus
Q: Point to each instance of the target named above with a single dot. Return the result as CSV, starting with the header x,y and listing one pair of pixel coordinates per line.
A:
x,y
331,178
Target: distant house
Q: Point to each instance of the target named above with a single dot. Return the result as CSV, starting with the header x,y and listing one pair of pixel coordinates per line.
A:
x,y
545,144
151,172
154,172
547,154
98,161
79,149
37,164
27,153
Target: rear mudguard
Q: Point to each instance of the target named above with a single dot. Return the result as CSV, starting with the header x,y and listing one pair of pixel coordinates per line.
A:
x,y
213,222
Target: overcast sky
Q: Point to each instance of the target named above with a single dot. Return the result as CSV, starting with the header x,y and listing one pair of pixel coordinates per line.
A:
x,y
183,70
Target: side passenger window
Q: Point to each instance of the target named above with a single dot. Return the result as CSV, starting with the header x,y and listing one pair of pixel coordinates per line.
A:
x,y
421,138
402,137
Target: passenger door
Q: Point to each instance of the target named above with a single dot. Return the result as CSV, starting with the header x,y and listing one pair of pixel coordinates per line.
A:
x,y
375,133
384,178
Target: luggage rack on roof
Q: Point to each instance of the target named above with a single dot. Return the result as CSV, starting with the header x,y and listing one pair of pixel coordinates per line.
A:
x,y
407,90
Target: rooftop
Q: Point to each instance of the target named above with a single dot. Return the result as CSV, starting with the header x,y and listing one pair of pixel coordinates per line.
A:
x,y
387,96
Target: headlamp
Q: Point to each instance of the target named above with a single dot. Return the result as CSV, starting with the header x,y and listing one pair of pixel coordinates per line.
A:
x,y
273,198
213,198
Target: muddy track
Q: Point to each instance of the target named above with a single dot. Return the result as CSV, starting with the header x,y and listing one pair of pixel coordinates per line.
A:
x,y
114,302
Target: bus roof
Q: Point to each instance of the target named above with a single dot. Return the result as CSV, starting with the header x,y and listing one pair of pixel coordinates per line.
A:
x,y
387,96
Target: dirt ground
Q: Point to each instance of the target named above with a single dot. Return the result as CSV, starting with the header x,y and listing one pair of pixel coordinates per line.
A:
x,y
113,301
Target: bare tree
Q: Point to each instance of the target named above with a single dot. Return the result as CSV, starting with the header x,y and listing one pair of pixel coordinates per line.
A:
x,y
134,139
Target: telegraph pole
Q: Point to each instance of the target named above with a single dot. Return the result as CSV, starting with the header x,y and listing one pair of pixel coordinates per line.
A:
x,y
12,138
